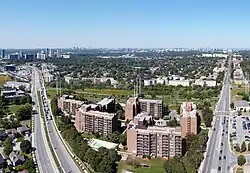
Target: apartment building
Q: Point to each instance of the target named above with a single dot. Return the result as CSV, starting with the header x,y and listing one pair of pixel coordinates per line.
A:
x,y
153,107
131,108
154,141
91,120
188,119
135,105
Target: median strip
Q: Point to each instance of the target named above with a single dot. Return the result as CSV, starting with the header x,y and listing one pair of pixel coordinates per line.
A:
x,y
46,133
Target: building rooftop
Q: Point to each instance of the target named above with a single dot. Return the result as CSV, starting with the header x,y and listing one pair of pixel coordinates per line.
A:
x,y
151,101
143,116
157,129
105,101
96,144
241,103
100,114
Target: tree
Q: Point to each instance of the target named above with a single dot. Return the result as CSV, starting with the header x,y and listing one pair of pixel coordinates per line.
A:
x,y
243,146
232,105
248,146
8,146
174,165
241,160
123,139
8,149
121,115
237,148
114,137
29,166
24,112
245,97
113,155
25,146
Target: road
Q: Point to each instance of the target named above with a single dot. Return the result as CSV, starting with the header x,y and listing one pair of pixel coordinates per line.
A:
x,y
45,161
218,157
67,163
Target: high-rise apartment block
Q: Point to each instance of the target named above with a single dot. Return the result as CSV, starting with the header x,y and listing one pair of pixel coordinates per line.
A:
x,y
135,105
188,119
152,107
154,141
91,118
3,53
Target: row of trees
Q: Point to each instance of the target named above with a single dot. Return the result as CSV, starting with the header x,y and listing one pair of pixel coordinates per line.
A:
x,y
103,160
243,147
195,145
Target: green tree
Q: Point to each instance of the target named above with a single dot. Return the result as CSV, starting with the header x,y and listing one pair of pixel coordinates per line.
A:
x,y
237,148
243,146
8,146
245,97
248,146
120,114
114,137
24,112
29,166
25,146
174,165
123,139
241,160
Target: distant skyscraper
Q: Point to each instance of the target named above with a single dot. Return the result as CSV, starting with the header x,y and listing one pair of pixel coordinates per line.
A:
x,y
3,53
58,53
21,55
51,53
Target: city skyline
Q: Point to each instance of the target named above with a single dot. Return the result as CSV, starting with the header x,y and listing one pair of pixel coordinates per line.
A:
x,y
113,24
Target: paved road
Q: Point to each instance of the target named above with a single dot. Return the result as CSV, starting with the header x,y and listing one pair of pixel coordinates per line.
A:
x,y
67,163
43,154
218,156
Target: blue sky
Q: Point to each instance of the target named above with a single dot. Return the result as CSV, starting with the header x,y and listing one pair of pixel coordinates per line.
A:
x,y
125,23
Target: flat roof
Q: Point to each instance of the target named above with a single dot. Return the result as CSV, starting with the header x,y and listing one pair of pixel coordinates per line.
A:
x,y
241,103
100,114
96,144
151,101
105,101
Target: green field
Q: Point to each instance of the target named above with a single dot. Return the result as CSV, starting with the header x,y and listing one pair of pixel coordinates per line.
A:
x,y
13,108
235,90
156,166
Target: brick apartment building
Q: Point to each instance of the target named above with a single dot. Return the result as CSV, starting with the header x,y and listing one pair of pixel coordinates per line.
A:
x,y
153,107
188,119
135,105
91,118
146,140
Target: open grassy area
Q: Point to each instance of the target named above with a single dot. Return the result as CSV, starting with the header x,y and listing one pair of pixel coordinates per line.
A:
x,y
4,79
156,165
239,170
13,108
235,90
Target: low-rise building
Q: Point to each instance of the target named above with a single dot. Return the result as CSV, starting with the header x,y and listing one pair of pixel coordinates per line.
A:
x,y
48,77
17,85
241,105
210,83
16,158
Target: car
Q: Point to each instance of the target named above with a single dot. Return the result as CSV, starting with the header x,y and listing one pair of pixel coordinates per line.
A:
x,y
226,132
219,168
224,157
222,134
220,151
214,129
247,140
228,168
221,144
220,158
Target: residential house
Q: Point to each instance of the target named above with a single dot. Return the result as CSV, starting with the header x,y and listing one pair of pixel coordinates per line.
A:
x,y
24,130
16,158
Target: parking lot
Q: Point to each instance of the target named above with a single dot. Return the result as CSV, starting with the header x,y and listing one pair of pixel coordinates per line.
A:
x,y
240,129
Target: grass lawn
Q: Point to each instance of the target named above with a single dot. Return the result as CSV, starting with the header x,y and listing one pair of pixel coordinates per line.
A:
x,y
117,92
156,166
13,108
235,90
4,79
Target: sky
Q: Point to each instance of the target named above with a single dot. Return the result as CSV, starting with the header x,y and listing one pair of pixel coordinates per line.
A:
x,y
125,23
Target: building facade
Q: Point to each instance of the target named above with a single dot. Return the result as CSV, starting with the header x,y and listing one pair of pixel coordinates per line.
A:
x,y
152,107
188,119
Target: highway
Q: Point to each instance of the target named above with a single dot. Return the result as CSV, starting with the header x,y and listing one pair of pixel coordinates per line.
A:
x,y
218,157
67,164
45,161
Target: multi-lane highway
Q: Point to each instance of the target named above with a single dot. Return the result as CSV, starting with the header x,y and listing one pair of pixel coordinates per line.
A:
x,y
67,164
218,156
45,161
